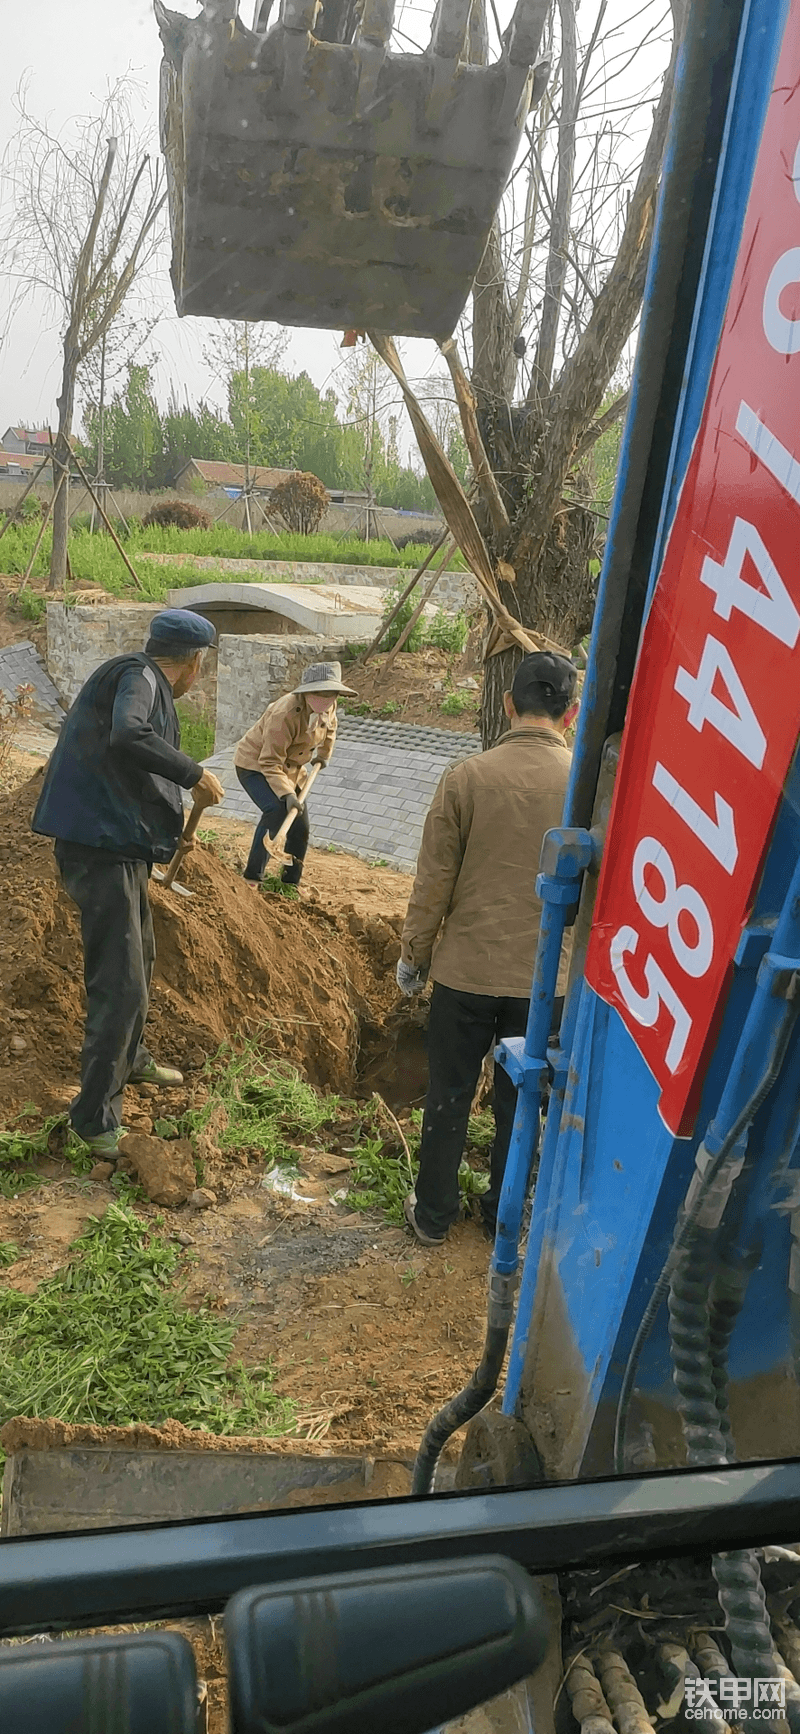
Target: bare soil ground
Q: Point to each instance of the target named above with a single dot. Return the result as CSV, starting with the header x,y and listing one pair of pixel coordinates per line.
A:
x,y
416,686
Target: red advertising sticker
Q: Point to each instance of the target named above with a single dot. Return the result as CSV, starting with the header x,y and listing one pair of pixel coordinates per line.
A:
x,y
714,712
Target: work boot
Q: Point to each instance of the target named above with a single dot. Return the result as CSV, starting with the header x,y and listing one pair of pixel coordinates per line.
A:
x,y
410,1214
154,1074
105,1143
292,875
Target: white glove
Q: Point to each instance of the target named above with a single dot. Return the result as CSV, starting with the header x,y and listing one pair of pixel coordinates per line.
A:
x,y
410,981
294,804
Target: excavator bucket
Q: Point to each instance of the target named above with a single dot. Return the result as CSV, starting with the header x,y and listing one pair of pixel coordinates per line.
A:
x,y
317,178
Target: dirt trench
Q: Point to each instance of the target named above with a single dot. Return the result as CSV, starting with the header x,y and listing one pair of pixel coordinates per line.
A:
x,y
229,962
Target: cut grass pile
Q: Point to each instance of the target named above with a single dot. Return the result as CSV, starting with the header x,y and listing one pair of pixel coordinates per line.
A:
x,y
106,1340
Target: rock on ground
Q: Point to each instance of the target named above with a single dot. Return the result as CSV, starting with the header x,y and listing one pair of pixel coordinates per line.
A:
x,y
165,1170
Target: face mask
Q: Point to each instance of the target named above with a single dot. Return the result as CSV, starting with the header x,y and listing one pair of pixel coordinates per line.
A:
x,y
319,702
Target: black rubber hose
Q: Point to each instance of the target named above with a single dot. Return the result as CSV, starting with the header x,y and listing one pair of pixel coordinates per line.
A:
x,y
481,1387
684,1233
728,1290
460,1409
690,1346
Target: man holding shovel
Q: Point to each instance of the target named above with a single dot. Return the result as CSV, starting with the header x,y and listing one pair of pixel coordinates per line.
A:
x,y
270,757
111,799
475,892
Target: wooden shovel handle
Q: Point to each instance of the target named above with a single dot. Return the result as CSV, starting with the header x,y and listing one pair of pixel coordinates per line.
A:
x,y
278,842
198,809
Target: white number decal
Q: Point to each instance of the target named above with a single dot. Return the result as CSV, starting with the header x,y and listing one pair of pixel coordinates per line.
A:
x,y
717,835
775,611
677,900
768,448
739,725
646,1007
782,334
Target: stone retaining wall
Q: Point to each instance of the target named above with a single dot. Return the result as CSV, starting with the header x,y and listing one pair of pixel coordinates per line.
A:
x,y
454,590
79,639
237,681
252,671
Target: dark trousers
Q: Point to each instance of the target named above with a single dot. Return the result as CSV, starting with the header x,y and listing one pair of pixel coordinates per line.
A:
x,y
462,1029
273,811
118,956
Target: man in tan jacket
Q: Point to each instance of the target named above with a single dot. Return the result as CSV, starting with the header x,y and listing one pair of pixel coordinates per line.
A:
x,y
270,757
475,891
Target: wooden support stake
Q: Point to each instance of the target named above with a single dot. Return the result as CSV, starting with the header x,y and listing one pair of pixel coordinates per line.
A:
x,y
385,624
42,527
484,474
410,624
23,496
107,521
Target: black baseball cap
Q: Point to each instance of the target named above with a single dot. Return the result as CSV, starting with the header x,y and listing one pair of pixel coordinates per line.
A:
x,y
544,680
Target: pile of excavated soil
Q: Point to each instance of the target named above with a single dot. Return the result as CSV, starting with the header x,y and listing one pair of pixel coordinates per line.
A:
x,y
229,962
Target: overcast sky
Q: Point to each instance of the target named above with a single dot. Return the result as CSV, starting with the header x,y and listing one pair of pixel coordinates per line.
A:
x,y
69,52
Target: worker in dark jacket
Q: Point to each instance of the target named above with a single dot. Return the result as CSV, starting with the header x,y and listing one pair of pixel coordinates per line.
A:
x,y
111,799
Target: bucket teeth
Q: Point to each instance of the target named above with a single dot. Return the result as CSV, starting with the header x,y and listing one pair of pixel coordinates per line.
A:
x,y
349,186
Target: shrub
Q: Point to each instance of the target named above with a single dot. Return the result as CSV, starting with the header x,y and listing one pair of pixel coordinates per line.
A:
x,y
447,631
180,513
29,508
401,619
301,501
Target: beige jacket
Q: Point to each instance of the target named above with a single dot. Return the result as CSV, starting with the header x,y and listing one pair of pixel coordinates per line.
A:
x,y
283,740
478,863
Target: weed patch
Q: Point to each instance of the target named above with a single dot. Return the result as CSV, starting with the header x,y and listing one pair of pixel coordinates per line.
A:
x,y
456,703
20,1148
384,1172
107,1340
259,1104
197,733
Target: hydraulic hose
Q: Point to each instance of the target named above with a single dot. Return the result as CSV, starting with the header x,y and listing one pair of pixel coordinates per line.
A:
x,y
480,1389
685,1229
704,1303
692,1359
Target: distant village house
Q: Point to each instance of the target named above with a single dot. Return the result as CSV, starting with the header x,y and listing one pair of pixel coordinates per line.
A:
x,y
230,479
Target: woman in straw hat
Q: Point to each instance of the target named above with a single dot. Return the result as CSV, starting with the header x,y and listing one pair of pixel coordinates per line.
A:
x,y
270,757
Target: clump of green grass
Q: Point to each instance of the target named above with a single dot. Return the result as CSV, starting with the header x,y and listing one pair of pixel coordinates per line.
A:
x,y
29,605
274,885
20,1148
383,1174
448,632
259,1104
107,1340
456,703
480,1134
9,1253
197,732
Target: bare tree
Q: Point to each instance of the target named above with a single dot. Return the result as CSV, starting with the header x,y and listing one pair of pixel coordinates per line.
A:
x,y
85,224
554,305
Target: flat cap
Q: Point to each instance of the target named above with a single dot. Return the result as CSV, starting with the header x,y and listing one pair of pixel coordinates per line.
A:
x,y
181,627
